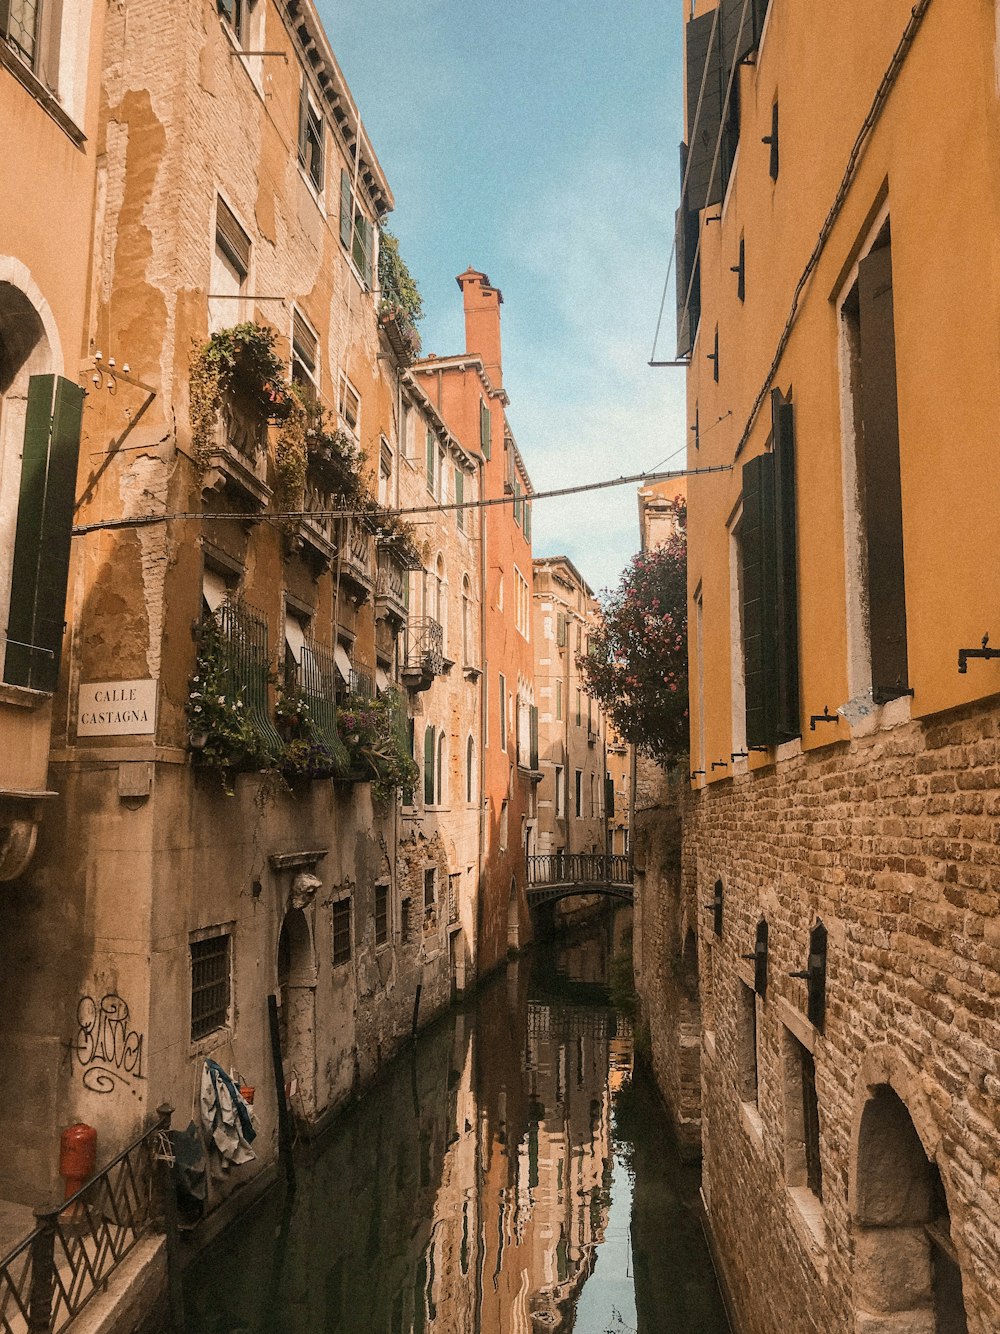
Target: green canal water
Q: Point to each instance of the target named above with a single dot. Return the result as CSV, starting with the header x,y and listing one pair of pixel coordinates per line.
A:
x,y
509,1174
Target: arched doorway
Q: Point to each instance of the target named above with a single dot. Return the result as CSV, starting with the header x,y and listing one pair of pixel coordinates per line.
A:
x,y
905,1266
297,1015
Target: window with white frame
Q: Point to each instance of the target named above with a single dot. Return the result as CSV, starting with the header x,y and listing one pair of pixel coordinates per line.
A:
x,y
230,269
357,234
468,646
349,408
522,607
385,473
311,157
305,356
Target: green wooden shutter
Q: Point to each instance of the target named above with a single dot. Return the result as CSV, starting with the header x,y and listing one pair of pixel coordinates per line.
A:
x,y
431,450
786,568
561,629
704,185
367,250
429,766
460,498
517,501
42,537
533,725
527,520
345,208
757,551
485,428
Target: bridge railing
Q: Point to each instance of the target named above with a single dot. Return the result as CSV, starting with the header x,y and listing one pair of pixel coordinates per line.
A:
x,y
560,868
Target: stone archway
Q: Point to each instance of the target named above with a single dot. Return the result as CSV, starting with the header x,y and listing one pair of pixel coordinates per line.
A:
x,y
907,1276
297,1014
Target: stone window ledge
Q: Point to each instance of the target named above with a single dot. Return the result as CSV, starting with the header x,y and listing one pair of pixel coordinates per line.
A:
x,y
45,99
808,1219
21,696
751,1121
709,1037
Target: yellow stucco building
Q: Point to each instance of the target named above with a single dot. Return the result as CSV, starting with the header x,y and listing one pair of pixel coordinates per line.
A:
x,y
838,291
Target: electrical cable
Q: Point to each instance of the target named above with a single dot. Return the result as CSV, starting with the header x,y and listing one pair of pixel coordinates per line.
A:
x,y
144,520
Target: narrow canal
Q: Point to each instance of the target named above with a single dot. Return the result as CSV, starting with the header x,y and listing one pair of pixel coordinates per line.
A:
x,y
508,1175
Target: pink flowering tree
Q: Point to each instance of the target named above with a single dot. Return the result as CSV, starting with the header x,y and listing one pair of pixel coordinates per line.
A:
x,y
637,664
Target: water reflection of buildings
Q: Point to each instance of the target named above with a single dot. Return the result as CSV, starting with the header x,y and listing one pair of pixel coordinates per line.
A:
x,y
525,1188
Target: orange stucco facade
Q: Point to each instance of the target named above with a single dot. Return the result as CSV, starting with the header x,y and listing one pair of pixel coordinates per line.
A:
x,y
468,391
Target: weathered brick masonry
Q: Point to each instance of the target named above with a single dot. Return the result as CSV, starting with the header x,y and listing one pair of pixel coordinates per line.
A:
x,y
893,840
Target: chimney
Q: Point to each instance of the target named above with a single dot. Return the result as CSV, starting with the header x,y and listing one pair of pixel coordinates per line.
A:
x,y
482,321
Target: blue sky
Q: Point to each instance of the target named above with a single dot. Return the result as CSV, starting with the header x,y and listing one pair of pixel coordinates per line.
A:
x,y
537,141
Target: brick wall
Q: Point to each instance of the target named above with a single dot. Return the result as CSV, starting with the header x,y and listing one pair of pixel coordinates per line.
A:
x,y
893,840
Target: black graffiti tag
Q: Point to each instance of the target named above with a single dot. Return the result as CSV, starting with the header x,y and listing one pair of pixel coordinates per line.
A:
x,y
107,1049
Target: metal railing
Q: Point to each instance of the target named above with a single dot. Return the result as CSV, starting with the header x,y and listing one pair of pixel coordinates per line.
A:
x,y
362,683
316,680
244,630
424,645
75,1248
589,868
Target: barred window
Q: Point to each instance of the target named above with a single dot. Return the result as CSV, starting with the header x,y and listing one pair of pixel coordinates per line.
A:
x,y
342,931
381,914
211,985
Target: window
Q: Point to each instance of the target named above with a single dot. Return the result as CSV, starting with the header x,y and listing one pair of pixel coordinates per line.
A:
x,y
385,474
460,499
578,715
527,521
802,1156
430,886
485,428
517,500
558,701
522,607
503,712
877,616
305,356
593,797
431,454
468,648
341,932
769,587
19,27
561,629
227,283
504,819
441,769
381,914
349,408
579,794
233,11
470,771
560,792
310,140
738,726
211,984
430,751
357,234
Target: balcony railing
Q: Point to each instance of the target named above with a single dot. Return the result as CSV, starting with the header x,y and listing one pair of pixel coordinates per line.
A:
x,y
316,679
424,646
238,458
52,1274
591,868
244,632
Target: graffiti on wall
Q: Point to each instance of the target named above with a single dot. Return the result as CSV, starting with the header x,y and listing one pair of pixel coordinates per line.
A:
x,y
107,1049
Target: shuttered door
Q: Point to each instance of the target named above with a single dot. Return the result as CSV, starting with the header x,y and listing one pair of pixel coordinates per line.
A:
x,y
42,537
883,499
701,53
757,550
786,568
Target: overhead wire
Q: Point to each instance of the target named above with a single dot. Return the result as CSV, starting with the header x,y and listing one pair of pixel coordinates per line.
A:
x,y
348,512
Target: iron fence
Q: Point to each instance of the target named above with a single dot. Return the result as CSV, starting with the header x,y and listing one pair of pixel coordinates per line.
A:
x,y
591,868
49,1277
244,630
425,645
316,679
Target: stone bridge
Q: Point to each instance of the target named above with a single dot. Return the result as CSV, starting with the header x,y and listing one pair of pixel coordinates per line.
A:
x,y
559,875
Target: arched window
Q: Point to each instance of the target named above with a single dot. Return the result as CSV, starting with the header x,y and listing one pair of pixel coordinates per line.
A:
x,y
468,657
429,753
470,771
441,757
441,597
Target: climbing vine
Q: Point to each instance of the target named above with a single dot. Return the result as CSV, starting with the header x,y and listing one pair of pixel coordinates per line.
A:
x,y
291,458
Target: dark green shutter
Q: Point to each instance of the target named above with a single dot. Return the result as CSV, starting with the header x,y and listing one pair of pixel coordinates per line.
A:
x,y
345,208
739,41
527,520
786,571
429,766
517,501
704,185
609,797
484,428
431,449
757,549
533,722
367,250
304,126
459,498
42,537
561,629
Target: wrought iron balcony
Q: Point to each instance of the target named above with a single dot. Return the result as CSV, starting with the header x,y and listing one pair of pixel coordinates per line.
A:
x,y
357,557
390,592
424,653
238,458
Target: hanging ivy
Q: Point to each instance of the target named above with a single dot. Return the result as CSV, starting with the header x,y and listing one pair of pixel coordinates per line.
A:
x,y
241,360
290,459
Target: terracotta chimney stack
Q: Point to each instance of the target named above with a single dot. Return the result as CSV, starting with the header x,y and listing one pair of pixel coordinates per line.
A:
x,y
482,321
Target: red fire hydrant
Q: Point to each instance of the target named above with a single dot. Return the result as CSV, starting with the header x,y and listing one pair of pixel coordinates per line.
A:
x,y
77,1156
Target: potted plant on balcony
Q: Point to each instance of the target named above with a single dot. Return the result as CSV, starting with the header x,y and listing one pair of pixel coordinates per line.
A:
x,y
309,751
374,732
221,733
240,361
401,305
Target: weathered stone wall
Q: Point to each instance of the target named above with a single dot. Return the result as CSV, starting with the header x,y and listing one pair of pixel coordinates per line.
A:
x,y
891,840
666,961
